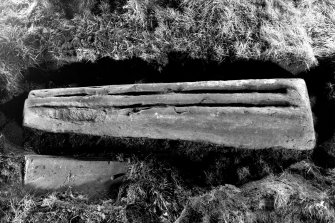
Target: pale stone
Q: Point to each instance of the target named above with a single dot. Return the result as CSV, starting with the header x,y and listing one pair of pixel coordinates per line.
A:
x,y
94,178
252,114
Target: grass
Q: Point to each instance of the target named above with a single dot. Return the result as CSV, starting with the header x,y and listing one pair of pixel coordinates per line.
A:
x,y
202,164
288,197
296,34
152,191
291,33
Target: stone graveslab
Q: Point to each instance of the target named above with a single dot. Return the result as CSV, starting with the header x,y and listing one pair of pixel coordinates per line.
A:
x,y
251,114
48,173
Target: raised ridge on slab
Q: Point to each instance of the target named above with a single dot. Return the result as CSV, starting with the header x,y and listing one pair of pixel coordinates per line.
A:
x,y
252,114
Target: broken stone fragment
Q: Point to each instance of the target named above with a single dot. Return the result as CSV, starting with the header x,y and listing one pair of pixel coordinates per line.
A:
x,y
252,114
92,177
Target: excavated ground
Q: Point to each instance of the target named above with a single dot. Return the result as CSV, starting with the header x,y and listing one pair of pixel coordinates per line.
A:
x,y
188,168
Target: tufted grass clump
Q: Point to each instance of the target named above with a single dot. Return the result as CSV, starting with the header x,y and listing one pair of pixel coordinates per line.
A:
x,y
48,34
303,193
150,192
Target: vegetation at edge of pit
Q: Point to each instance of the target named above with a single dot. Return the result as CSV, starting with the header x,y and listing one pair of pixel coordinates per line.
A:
x,y
303,193
153,192
279,31
55,32
202,164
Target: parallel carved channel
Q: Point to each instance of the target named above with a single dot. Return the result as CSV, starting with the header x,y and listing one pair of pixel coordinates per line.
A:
x,y
245,114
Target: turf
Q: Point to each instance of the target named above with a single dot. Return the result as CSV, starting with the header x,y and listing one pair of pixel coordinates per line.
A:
x,y
132,34
152,191
149,193
289,197
291,33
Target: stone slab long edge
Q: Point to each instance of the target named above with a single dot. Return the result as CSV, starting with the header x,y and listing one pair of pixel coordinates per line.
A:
x,y
49,173
251,114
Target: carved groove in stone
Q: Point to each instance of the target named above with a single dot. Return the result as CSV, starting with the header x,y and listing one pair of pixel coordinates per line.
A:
x,y
252,114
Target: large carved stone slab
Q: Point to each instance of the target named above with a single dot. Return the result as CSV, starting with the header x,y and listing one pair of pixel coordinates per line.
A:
x,y
48,173
253,114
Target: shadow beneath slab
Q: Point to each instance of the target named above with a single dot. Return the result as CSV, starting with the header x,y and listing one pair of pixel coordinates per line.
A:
x,y
320,83
200,163
179,68
106,71
11,126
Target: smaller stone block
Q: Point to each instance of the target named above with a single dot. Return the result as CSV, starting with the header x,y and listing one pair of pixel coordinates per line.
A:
x,y
94,178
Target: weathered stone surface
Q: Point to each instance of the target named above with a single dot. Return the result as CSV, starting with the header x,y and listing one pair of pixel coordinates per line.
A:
x,y
253,114
46,173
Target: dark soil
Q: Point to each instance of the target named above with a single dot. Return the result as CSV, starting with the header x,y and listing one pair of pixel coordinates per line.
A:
x,y
199,165
230,165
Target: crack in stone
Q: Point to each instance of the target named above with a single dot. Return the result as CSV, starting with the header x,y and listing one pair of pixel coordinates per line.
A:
x,y
180,112
173,91
136,110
